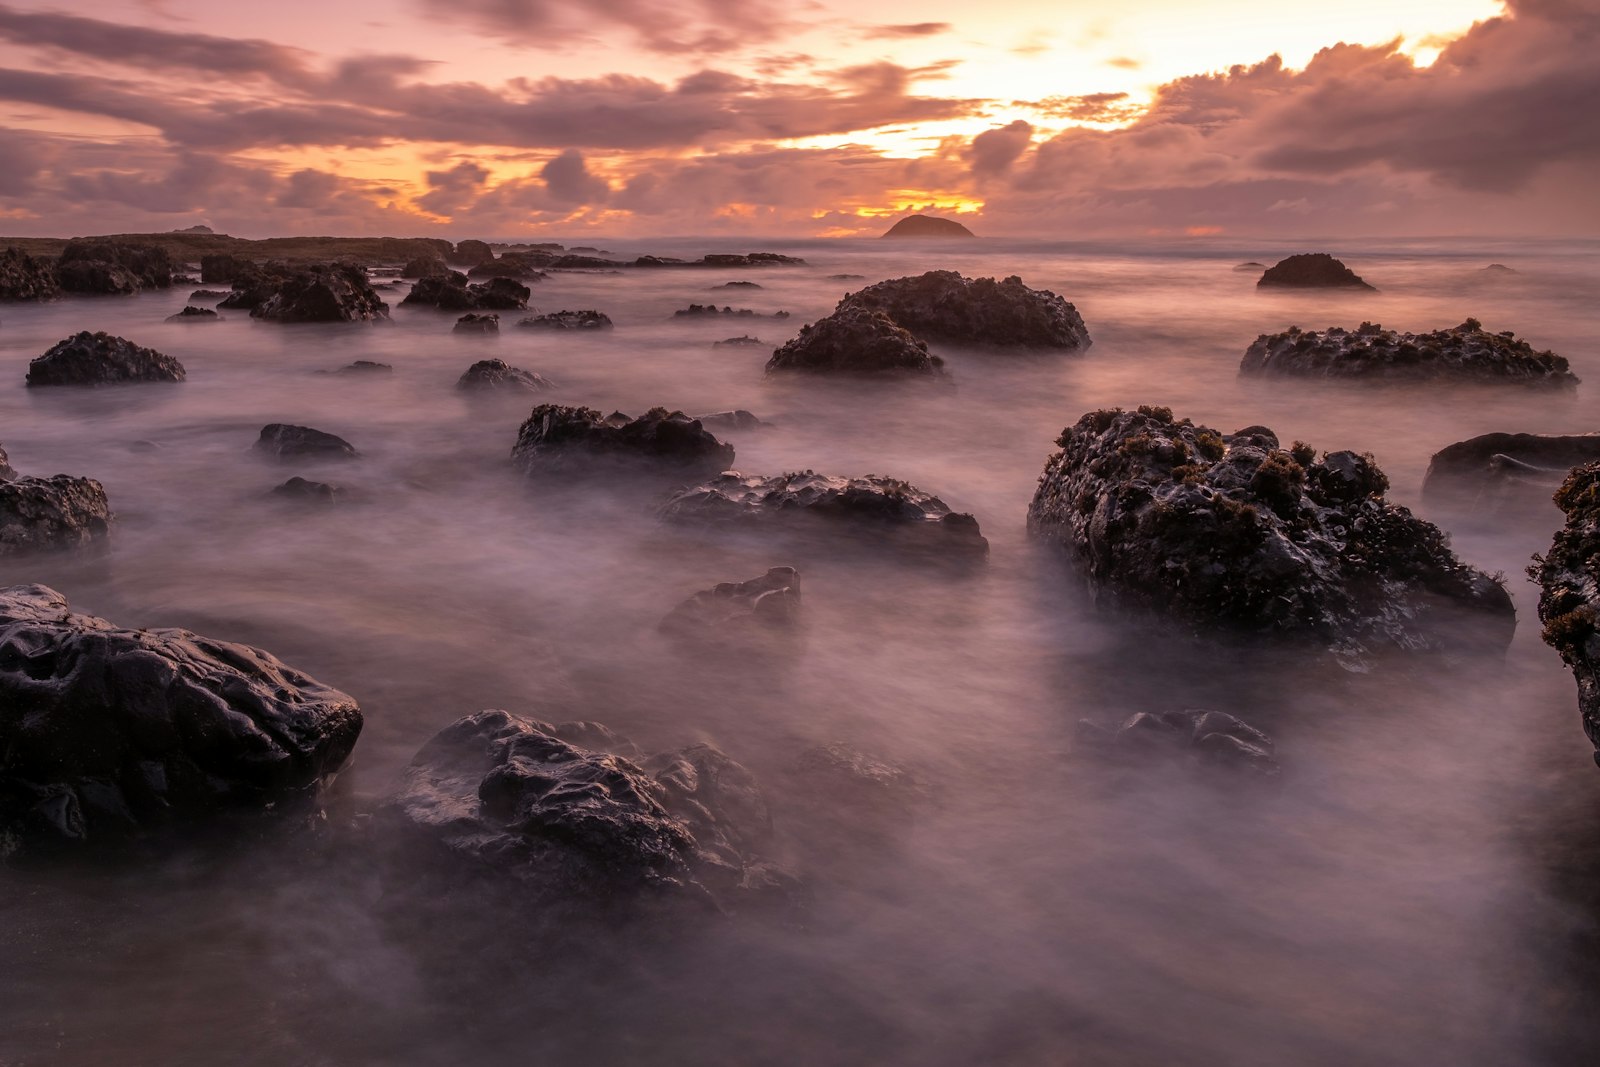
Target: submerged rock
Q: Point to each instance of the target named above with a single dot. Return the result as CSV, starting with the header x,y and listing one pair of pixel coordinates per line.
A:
x,y
338,292
738,285
106,733
362,367
1250,266
856,341
556,438
101,359
568,320
549,810
477,324
749,616
194,314
878,510
496,375
1466,353
1506,470
296,442
1311,270
941,305
22,277
61,513
1569,591
855,798
452,292
113,267
209,296
927,226
1234,536
309,492
742,341
1210,739
711,311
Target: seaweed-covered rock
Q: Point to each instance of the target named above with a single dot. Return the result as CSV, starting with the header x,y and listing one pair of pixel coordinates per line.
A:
x,y
101,359
106,733
878,510
1311,270
856,341
451,291
496,375
1506,470
302,442
1465,353
194,314
1569,591
475,323
1237,536
113,267
61,513
338,292
761,613
550,811
711,311
556,438
1210,739
22,277
568,320
941,305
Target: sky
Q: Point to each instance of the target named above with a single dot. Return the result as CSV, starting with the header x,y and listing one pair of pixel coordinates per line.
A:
x,y
1050,118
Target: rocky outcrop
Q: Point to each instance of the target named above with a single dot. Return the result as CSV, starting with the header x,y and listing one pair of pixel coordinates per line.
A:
x,y
107,733
522,265
55,514
224,269
560,814
759,615
739,419
337,292
1312,270
1496,471
478,324
941,305
1237,537
723,259
1213,740
1569,591
556,438
426,267
568,320
711,311
1467,353
22,277
283,441
856,341
452,292
498,376
471,253
927,226
194,314
878,511
113,267
101,359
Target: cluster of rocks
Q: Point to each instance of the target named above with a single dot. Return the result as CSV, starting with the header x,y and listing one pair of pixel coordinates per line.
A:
x,y
856,341
711,311
101,359
498,376
337,292
113,267
568,320
556,439
1569,591
1465,353
742,341
450,291
1311,270
1233,534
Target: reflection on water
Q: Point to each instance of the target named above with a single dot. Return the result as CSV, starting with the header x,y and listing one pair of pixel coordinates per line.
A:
x,y
1421,890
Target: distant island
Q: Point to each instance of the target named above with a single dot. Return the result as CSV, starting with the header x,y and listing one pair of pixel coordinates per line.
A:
x,y
928,226
196,229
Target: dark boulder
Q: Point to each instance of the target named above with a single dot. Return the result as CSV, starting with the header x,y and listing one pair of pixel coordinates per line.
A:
x,y
856,341
1312,270
471,253
425,267
941,305
7,471
881,512
1236,537
194,314
711,311
22,277
475,323
209,296
1467,353
853,804
108,733
568,320
225,269
1506,471
571,262
762,614
1569,591
302,442
61,513
927,226
338,292
255,284
496,375
1212,740
101,359
304,491
452,292
556,438
113,267
738,285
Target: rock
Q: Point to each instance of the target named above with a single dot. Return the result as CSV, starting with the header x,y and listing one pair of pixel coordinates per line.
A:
x,y
1465,353
477,324
7,471
101,359
1251,266
705,311
535,804
880,511
496,375
1313,270
338,292
471,253
362,367
309,492
1235,537
927,226
22,277
941,305
1506,470
856,341
755,616
846,277
524,265
568,320
254,285
862,799
224,268
426,267
113,267
108,733
194,314
452,292
61,513
738,285
208,296
302,442
1569,577
1210,739
731,420
743,341
571,262
556,438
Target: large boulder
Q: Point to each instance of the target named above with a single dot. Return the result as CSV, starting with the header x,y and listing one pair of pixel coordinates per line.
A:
x,y
559,813
476,323
1465,353
106,733
941,305
61,513
7,471
471,253
856,341
22,277
282,441
927,226
876,510
759,615
113,267
451,291
1311,270
1569,597
498,376
225,269
568,320
338,292
101,359
556,438
1506,471
1236,536
425,267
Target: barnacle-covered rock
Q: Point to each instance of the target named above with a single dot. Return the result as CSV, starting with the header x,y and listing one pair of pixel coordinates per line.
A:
x,y
856,341
1467,353
61,513
941,305
101,359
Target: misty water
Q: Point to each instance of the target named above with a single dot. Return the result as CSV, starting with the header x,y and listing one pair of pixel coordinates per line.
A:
x,y
1422,889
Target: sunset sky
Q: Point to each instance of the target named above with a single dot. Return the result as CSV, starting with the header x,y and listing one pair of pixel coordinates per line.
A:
x,y
506,118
